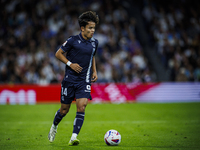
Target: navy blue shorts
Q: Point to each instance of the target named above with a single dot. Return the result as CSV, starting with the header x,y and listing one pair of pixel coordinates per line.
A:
x,y
71,91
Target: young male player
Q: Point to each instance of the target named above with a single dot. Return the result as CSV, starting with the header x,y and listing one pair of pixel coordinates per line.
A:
x,y
80,71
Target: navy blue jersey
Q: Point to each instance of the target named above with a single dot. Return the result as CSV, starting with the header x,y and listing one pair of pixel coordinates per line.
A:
x,y
79,51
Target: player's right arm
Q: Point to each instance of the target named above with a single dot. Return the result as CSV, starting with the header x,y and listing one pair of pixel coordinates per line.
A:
x,y
74,66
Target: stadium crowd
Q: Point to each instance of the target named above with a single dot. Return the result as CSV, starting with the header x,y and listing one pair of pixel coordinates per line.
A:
x,y
175,28
32,31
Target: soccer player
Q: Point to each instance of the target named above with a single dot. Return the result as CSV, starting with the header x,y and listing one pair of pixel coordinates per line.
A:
x,y
80,71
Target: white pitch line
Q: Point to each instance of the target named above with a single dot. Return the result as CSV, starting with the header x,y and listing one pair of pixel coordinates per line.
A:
x,y
101,122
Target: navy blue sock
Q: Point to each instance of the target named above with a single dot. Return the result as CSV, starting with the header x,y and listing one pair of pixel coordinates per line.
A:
x,y
58,117
78,122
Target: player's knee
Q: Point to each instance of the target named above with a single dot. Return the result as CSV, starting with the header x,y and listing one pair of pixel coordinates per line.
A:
x,y
81,108
63,112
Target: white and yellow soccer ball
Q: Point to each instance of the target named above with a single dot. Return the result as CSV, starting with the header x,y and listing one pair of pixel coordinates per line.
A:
x,y
112,137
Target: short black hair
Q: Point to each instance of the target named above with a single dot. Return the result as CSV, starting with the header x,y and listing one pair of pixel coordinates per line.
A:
x,y
87,16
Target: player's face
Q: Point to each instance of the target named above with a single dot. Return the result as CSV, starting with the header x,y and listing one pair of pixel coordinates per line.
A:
x,y
88,30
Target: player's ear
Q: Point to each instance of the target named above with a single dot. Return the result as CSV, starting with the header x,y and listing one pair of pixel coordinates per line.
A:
x,y
82,28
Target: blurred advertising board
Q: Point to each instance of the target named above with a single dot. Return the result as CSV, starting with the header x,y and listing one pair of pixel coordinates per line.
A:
x,y
29,94
112,92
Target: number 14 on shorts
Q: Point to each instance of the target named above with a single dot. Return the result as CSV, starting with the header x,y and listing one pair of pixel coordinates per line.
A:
x,y
64,91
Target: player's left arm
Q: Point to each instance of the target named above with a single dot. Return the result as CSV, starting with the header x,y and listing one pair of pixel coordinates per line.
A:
x,y
94,70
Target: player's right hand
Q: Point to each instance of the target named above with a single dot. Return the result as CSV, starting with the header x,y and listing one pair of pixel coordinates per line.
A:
x,y
76,67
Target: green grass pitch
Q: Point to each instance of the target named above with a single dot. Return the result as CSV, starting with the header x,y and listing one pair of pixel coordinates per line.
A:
x,y
141,125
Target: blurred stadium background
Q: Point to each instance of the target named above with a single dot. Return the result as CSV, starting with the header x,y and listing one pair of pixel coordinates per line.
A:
x,y
143,45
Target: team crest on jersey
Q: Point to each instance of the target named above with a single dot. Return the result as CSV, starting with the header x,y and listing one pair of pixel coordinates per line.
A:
x,y
93,44
79,41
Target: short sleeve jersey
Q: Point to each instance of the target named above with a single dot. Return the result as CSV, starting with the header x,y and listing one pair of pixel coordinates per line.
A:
x,y
79,51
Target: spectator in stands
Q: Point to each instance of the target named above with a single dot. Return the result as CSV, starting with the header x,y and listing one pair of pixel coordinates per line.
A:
x,y
176,32
26,26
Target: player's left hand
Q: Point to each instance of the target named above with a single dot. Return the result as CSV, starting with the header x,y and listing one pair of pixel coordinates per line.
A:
x,y
94,77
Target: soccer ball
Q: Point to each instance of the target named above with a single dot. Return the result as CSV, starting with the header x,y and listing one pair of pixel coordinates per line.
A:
x,y
112,137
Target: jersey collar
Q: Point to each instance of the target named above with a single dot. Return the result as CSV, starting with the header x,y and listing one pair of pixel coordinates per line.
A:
x,y
84,40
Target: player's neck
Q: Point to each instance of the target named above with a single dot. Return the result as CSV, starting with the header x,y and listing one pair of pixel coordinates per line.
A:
x,y
84,36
